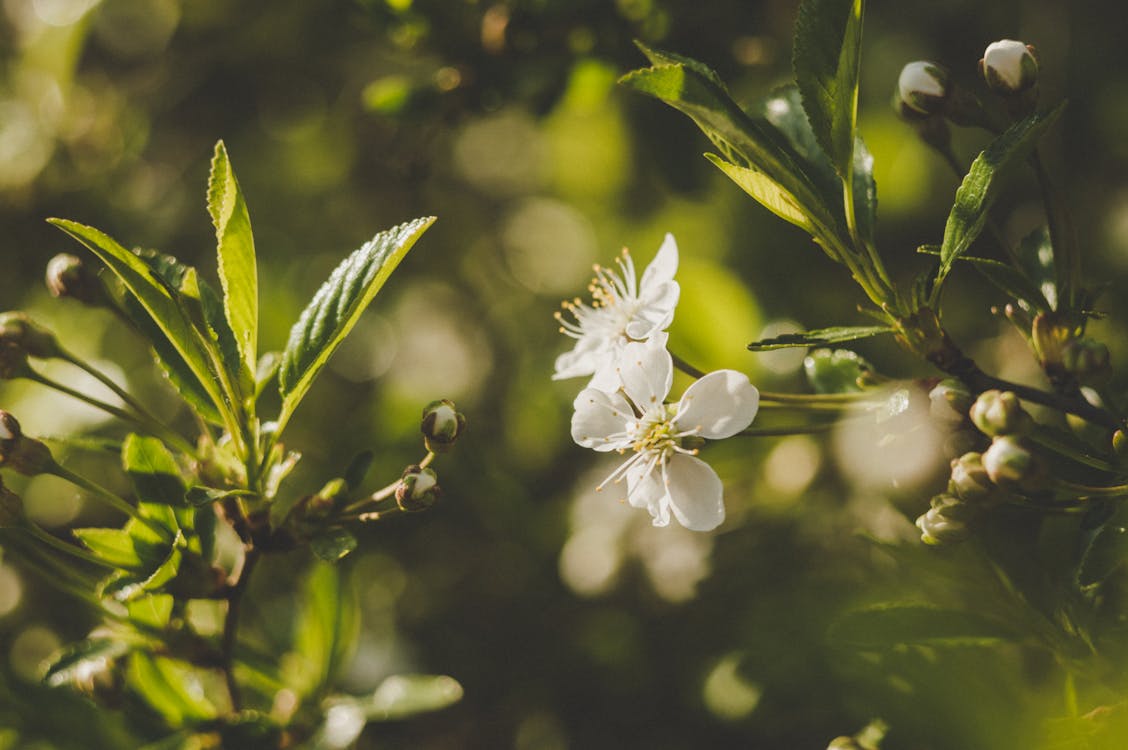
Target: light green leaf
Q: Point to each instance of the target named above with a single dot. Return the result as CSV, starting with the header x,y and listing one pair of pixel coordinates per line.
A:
x,y
820,337
976,193
890,625
152,294
235,247
156,477
115,546
171,687
125,586
826,60
83,658
324,630
152,611
403,695
765,190
337,306
199,495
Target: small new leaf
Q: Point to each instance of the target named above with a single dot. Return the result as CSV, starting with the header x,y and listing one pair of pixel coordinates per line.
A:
x,y
821,337
156,477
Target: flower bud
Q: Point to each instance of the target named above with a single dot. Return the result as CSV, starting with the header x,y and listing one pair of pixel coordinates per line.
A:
x,y
1010,465
11,507
37,341
946,521
332,495
999,413
441,425
923,87
418,489
843,743
69,276
13,360
1086,359
19,452
1009,67
949,400
969,480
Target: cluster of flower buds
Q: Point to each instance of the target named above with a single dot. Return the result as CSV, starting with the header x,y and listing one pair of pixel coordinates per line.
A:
x,y
19,452
69,276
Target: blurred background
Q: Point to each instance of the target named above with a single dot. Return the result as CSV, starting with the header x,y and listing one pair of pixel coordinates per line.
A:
x,y
568,619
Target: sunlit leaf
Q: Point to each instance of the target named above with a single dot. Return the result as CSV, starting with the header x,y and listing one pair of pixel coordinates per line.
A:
x,y
403,695
156,477
325,625
765,190
235,247
198,495
172,688
820,337
337,306
152,611
82,659
115,546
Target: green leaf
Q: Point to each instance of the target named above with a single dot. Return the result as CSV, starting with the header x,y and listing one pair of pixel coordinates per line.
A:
x,y
152,611
156,477
203,307
173,688
199,495
125,586
235,247
890,625
337,306
765,190
152,294
826,60
115,546
865,192
324,630
820,337
836,371
83,658
1036,261
976,193
334,544
404,695
266,371
358,468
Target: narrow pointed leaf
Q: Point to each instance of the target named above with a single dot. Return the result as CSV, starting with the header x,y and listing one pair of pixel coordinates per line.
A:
x,y
337,306
235,247
767,191
326,623
153,296
199,495
976,193
828,36
126,586
821,337
156,477
865,192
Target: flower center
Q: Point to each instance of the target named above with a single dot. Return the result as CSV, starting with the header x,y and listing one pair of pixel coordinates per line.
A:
x,y
655,432
614,302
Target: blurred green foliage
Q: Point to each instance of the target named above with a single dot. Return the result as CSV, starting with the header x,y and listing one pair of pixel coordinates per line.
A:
x,y
566,618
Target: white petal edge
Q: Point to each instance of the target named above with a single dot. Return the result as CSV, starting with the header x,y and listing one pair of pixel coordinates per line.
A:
x,y
646,490
656,310
664,265
694,493
647,372
718,405
599,420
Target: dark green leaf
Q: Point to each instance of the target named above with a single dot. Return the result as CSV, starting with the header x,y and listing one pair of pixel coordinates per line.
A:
x,y
890,625
156,477
203,307
337,306
82,658
1011,282
865,192
976,193
821,337
357,469
827,54
154,297
1106,553
333,544
235,247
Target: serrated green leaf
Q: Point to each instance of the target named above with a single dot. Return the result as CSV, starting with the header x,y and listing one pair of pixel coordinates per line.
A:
x,y
235,248
115,546
766,191
333,545
156,477
172,688
976,193
820,337
404,695
83,658
337,306
826,61
891,625
154,297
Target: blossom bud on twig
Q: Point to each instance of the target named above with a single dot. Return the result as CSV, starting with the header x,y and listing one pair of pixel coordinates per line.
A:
x,y
69,276
21,330
949,400
441,425
999,413
418,489
923,87
1010,465
946,521
1086,359
969,480
19,452
1009,67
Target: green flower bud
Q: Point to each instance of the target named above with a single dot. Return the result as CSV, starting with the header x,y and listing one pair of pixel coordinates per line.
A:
x,y
1087,360
946,521
923,88
969,480
11,507
1009,67
949,400
37,341
69,276
843,743
441,425
999,413
1010,464
418,489
836,371
19,452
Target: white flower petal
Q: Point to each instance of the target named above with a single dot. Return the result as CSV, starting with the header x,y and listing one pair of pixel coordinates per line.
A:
x,y
694,493
655,311
718,405
646,490
606,376
647,373
599,420
582,360
664,265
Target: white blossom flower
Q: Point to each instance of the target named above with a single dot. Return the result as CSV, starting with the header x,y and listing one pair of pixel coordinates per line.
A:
x,y
663,473
622,310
